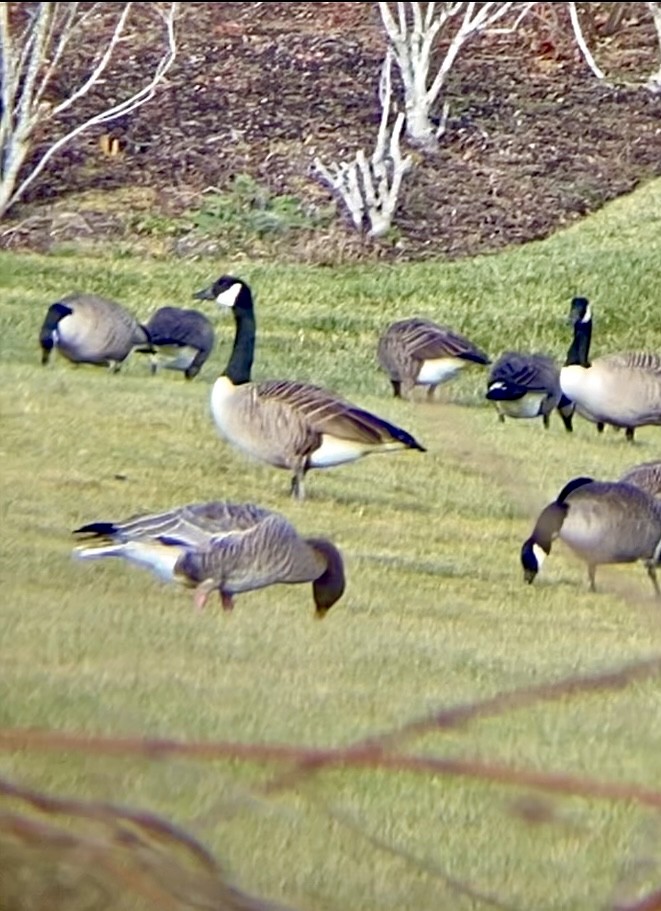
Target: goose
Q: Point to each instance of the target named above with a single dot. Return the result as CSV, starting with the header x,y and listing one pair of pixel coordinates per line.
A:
x,y
88,329
285,423
220,546
602,522
527,386
418,352
647,476
181,339
621,389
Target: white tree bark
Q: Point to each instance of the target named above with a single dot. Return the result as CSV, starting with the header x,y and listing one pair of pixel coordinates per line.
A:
x,y
412,37
581,42
29,60
654,82
370,187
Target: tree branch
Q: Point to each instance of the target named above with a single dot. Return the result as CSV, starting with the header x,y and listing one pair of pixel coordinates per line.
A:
x,y
412,44
580,40
370,189
95,75
41,55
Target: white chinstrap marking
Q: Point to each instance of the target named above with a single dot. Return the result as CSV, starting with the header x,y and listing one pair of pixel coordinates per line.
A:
x,y
540,555
588,315
227,298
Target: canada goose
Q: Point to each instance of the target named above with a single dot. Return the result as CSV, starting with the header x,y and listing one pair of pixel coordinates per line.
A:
x,y
228,547
180,340
418,352
88,329
622,389
527,386
602,522
288,424
647,476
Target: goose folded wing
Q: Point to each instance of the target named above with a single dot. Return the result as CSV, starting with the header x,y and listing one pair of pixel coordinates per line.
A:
x,y
325,413
648,361
535,373
218,516
270,552
428,341
173,326
175,526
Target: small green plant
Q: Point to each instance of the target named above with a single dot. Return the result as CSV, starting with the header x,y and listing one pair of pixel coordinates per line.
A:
x,y
250,208
154,225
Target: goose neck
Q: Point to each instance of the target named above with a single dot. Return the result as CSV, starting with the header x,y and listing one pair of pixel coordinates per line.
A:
x,y
579,350
240,362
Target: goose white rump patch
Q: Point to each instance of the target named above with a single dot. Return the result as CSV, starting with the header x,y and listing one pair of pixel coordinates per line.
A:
x,y
440,369
174,357
335,451
159,558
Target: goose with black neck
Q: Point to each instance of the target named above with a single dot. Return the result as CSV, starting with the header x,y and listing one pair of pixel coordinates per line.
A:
x,y
288,424
621,389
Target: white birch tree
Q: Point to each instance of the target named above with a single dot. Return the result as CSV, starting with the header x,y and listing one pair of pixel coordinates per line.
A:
x,y
36,41
653,82
414,31
370,188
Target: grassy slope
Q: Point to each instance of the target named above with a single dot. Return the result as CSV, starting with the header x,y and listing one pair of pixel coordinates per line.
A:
x,y
435,611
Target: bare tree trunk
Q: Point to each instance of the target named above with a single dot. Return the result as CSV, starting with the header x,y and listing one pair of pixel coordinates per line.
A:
x,y
654,82
412,35
30,56
370,188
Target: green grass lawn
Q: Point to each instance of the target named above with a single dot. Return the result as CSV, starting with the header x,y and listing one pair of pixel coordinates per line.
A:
x,y
435,613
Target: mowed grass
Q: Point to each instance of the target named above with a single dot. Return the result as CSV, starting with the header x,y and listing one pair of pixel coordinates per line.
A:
x,y
435,613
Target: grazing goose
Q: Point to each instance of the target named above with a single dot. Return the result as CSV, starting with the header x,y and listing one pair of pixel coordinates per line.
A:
x,y
228,547
181,340
647,476
622,389
527,386
418,352
88,329
602,522
288,424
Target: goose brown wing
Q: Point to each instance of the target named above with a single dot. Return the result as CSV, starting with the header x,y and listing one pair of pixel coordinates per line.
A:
x,y
220,516
272,551
639,360
426,340
535,372
193,525
326,413
646,476
109,322
176,326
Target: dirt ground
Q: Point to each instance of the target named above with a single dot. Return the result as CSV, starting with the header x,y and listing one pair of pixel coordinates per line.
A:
x,y
533,142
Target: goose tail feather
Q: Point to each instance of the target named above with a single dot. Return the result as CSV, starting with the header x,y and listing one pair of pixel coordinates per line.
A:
x,y
97,530
97,552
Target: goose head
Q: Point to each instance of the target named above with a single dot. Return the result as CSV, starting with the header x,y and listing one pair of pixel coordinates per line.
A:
x,y
227,291
329,586
532,557
49,334
233,293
